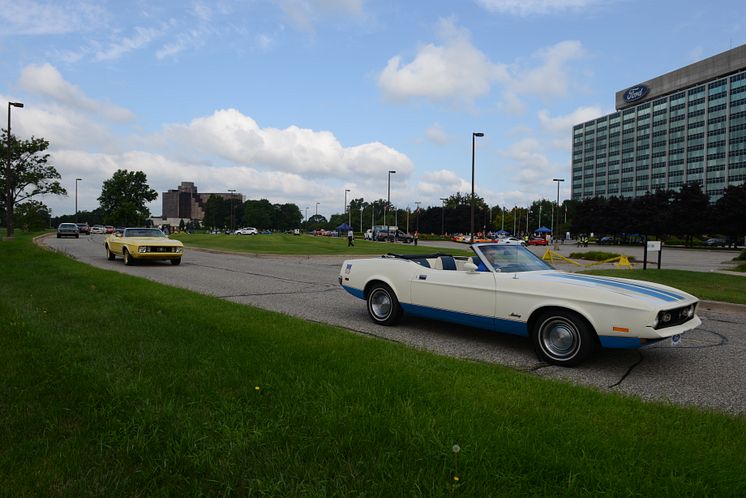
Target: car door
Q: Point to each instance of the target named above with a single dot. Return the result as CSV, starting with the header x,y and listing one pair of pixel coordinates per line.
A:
x,y
462,297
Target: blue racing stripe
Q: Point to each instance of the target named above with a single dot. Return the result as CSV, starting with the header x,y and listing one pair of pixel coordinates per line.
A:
x,y
631,286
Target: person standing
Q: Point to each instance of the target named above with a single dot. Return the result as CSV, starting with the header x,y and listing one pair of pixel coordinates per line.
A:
x,y
416,236
350,235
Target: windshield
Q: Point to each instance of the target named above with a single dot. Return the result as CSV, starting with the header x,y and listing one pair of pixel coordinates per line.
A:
x,y
143,232
510,259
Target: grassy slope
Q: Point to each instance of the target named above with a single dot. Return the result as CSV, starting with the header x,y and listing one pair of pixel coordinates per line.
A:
x,y
113,385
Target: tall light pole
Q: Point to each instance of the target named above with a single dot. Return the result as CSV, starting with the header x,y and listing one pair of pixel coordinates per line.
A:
x,y
443,217
9,180
306,216
473,139
558,180
349,220
317,208
417,219
232,191
76,198
388,197
361,218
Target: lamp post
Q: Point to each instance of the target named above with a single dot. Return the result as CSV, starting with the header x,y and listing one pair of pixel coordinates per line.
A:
x,y
232,191
306,216
346,210
443,217
361,218
317,208
473,140
9,180
417,218
558,180
76,198
388,197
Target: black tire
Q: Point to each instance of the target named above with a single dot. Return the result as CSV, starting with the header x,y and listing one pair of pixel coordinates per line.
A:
x,y
383,306
176,261
77,236
128,260
58,236
110,255
562,337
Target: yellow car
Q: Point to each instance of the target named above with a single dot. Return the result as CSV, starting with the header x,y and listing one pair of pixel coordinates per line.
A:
x,y
135,244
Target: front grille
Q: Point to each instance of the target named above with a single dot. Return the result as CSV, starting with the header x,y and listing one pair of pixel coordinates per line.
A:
x,y
676,316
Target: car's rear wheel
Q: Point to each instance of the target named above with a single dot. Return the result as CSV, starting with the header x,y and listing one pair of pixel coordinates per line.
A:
x,y
561,337
176,261
128,260
383,306
110,255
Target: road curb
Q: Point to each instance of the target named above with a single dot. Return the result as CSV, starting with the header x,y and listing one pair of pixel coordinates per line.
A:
x,y
721,306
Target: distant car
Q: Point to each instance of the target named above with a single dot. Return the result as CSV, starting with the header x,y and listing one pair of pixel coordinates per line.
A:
x,y
135,244
606,241
537,241
510,241
296,231
68,230
404,237
109,229
509,289
84,228
247,231
368,235
98,229
715,242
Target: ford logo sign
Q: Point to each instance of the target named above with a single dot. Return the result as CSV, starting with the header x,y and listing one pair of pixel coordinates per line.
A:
x,y
635,93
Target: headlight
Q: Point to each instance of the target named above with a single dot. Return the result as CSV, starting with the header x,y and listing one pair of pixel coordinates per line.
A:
x,y
179,250
142,249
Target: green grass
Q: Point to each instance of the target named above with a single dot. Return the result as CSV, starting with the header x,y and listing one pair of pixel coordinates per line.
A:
x,y
302,245
597,255
117,386
704,285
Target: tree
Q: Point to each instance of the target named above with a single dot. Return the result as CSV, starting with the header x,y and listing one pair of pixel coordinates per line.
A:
x,y
729,213
30,175
123,198
32,215
690,212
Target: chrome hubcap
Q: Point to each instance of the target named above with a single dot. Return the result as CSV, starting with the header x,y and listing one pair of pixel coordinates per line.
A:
x,y
559,338
380,304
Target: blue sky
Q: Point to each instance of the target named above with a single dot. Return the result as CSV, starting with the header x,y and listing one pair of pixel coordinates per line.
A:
x,y
298,100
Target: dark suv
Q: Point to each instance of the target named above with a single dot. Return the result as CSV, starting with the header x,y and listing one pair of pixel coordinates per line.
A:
x,y
84,228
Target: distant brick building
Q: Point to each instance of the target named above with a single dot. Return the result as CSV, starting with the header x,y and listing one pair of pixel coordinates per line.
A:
x,y
185,203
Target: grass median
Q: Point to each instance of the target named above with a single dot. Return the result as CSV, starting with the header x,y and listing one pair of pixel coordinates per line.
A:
x,y
117,386
280,243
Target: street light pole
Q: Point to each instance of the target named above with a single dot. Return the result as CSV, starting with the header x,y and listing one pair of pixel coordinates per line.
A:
x,y
417,218
349,221
473,141
388,197
558,180
76,198
306,216
9,179
232,191
317,208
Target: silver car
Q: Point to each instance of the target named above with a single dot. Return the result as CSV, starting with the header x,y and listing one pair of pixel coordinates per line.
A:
x,y
68,230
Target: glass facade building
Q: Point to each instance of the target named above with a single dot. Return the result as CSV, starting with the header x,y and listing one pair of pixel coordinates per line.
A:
x,y
686,126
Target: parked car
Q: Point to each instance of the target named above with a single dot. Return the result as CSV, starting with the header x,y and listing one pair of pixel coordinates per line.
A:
x,y
98,229
135,244
565,315
606,241
715,242
68,230
109,228
247,231
537,241
510,241
84,228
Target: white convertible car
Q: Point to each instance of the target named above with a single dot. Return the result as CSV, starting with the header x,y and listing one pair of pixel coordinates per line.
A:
x,y
509,289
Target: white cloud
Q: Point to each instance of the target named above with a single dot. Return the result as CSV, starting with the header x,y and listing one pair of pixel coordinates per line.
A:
x,y
530,164
239,139
550,77
455,70
563,124
437,135
442,183
54,17
303,14
46,80
140,39
535,7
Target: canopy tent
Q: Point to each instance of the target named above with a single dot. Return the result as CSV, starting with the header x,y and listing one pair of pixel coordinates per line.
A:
x,y
502,232
343,227
543,230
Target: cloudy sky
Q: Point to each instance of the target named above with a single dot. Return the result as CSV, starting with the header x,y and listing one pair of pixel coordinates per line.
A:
x,y
298,100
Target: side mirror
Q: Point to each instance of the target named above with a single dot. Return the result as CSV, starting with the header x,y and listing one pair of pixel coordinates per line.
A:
x,y
470,267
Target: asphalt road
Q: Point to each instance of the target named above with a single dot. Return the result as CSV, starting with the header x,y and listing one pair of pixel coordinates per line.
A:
x,y
707,369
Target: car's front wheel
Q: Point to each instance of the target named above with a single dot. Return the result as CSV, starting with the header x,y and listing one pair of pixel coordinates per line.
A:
x,y
128,259
563,338
383,306
176,261
110,255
